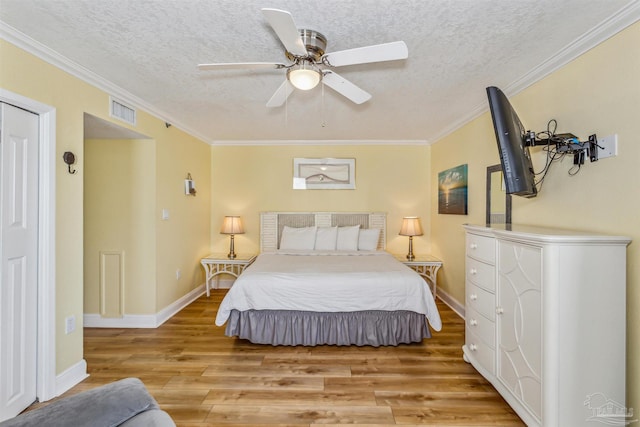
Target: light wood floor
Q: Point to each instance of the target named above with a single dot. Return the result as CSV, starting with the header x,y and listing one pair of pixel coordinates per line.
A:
x,y
203,378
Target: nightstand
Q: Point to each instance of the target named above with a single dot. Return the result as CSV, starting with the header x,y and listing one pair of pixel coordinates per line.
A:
x,y
425,265
217,264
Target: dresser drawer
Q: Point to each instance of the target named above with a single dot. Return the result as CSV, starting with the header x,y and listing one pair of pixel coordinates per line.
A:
x,y
482,301
481,274
481,247
480,352
480,326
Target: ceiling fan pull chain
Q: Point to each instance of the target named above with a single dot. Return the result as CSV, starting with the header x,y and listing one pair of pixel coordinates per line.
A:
x,y
286,112
322,108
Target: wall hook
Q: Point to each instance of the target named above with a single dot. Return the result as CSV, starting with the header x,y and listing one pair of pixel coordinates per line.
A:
x,y
69,158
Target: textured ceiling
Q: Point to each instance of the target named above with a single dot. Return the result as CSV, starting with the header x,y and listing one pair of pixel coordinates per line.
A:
x,y
147,50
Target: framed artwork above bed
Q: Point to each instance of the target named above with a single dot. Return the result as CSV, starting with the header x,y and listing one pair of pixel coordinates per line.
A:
x,y
324,174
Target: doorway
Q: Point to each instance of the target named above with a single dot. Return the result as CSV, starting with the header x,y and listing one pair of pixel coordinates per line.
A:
x,y
119,222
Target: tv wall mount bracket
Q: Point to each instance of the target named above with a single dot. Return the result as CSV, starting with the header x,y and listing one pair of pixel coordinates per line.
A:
x,y
568,143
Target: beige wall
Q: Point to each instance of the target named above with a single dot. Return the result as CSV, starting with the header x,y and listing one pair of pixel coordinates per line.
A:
x,y
180,241
183,239
119,216
498,202
585,97
250,179
473,145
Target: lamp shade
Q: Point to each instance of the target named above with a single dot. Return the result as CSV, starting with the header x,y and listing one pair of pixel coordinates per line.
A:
x,y
232,225
411,226
305,76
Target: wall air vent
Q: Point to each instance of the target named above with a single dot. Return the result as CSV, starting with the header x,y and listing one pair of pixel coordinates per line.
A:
x,y
122,111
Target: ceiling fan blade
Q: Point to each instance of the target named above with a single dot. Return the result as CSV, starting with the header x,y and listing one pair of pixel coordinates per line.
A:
x,y
345,87
240,66
281,94
364,55
282,23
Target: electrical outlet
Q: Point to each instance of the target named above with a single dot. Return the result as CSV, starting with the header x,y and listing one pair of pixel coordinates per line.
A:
x,y
178,274
69,324
609,146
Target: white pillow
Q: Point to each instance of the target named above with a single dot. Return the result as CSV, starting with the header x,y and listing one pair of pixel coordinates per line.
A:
x,y
326,238
348,238
368,239
303,238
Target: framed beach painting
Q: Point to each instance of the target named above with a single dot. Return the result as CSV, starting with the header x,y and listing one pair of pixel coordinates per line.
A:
x,y
452,191
324,174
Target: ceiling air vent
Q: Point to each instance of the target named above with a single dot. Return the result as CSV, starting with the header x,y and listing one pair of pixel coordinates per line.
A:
x,y
122,112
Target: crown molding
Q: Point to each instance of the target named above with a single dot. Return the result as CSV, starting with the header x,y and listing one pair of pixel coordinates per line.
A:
x,y
617,22
620,20
322,142
52,57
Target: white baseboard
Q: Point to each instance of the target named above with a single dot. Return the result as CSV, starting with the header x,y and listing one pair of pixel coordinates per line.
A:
x,y
169,311
126,321
143,320
71,377
451,302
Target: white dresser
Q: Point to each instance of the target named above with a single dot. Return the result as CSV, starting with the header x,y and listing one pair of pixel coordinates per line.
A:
x,y
545,319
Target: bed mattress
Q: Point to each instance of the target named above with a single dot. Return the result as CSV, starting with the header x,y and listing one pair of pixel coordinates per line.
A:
x,y
329,282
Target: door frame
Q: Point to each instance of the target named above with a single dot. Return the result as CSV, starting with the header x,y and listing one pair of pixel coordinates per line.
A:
x,y
46,325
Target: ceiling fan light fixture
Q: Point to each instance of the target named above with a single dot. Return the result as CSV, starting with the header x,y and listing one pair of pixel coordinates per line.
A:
x,y
304,76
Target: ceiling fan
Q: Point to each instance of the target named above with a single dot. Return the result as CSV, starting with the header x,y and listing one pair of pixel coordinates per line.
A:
x,y
309,64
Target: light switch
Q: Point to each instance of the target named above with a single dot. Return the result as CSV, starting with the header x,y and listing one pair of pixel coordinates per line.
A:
x,y
69,324
165,214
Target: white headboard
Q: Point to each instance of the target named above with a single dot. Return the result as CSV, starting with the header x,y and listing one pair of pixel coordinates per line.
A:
x,y
272,223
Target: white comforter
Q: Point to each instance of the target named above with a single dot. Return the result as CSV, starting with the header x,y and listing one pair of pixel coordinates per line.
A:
x,y
329,282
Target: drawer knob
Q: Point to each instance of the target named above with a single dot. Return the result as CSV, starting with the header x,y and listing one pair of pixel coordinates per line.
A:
x,y
473,322
473,246
473,271
473,297
473,347
499,310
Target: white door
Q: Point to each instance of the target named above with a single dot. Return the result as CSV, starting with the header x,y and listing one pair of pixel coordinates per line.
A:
x,y
18,258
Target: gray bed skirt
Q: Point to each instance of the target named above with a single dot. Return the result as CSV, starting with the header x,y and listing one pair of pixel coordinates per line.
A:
x,y
284,327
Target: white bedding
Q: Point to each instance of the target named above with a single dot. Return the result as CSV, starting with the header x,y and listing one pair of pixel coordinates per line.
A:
x,y
329,282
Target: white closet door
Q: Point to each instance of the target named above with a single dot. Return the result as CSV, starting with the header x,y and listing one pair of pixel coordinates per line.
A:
x,y
18,258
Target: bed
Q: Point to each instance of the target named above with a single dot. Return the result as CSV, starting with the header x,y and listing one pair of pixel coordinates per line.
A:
x,y
324,278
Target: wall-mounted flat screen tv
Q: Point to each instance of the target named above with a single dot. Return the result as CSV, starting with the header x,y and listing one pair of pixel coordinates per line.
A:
x,y
519,177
